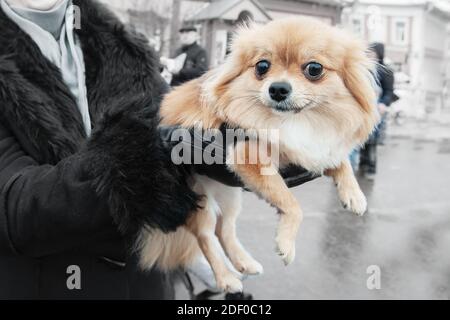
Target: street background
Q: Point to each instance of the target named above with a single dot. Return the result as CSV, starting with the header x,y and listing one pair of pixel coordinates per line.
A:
x,y
407,229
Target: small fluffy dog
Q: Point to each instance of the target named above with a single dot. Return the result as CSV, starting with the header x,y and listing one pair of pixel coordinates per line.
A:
x,y
310,81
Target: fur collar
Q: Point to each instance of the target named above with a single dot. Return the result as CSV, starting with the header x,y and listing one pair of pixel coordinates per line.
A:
x,y
37,106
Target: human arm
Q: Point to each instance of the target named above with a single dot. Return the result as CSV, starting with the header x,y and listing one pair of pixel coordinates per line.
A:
x,y
386,80
121,179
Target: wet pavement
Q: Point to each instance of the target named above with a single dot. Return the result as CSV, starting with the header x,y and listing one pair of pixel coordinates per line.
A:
x,y
406,232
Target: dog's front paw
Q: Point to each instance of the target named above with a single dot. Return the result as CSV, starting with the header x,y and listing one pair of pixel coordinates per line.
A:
x,y
252,267
230,284
249,266
286,249
353,199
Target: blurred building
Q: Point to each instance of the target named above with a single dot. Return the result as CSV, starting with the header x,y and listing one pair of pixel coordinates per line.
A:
x,y
153,18
216,19
446,93
325,10
151,24
219,18
416,36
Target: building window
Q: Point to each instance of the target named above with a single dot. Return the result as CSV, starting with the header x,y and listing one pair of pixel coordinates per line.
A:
x,y
400,32
358,26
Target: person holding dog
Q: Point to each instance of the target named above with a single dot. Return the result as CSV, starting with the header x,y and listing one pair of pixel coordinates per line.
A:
x,y
82,162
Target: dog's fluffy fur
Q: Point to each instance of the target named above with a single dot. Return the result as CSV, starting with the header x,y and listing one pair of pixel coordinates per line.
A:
x,y
323,121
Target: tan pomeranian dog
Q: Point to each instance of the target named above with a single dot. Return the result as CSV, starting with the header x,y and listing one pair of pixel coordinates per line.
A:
x,y
308,80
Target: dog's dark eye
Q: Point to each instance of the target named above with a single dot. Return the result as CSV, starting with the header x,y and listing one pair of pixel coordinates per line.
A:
x,y
262,67
313,71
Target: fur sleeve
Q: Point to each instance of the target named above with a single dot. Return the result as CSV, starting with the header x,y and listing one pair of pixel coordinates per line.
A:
x,y
133,171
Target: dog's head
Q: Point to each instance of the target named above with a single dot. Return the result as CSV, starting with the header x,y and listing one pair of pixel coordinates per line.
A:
x,y
292,68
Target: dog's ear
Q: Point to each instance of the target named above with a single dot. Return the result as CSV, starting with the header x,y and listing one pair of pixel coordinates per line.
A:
x,y
217,83
358,75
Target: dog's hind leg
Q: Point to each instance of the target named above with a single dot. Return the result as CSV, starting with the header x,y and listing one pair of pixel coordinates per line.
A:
x,y
203,225
230,203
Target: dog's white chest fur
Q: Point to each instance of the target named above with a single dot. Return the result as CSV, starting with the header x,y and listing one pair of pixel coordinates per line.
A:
x,y
316,147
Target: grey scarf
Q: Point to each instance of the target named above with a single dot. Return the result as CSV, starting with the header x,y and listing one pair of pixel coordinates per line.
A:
x,y
53,32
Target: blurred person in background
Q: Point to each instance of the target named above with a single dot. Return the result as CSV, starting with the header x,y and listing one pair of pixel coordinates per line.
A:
x,y
385,76
366,158
190,61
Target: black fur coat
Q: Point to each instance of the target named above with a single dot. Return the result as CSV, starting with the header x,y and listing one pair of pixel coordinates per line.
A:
x,y
63,195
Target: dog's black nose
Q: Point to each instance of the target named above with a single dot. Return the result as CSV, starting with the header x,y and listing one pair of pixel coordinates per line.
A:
x,y
280,91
